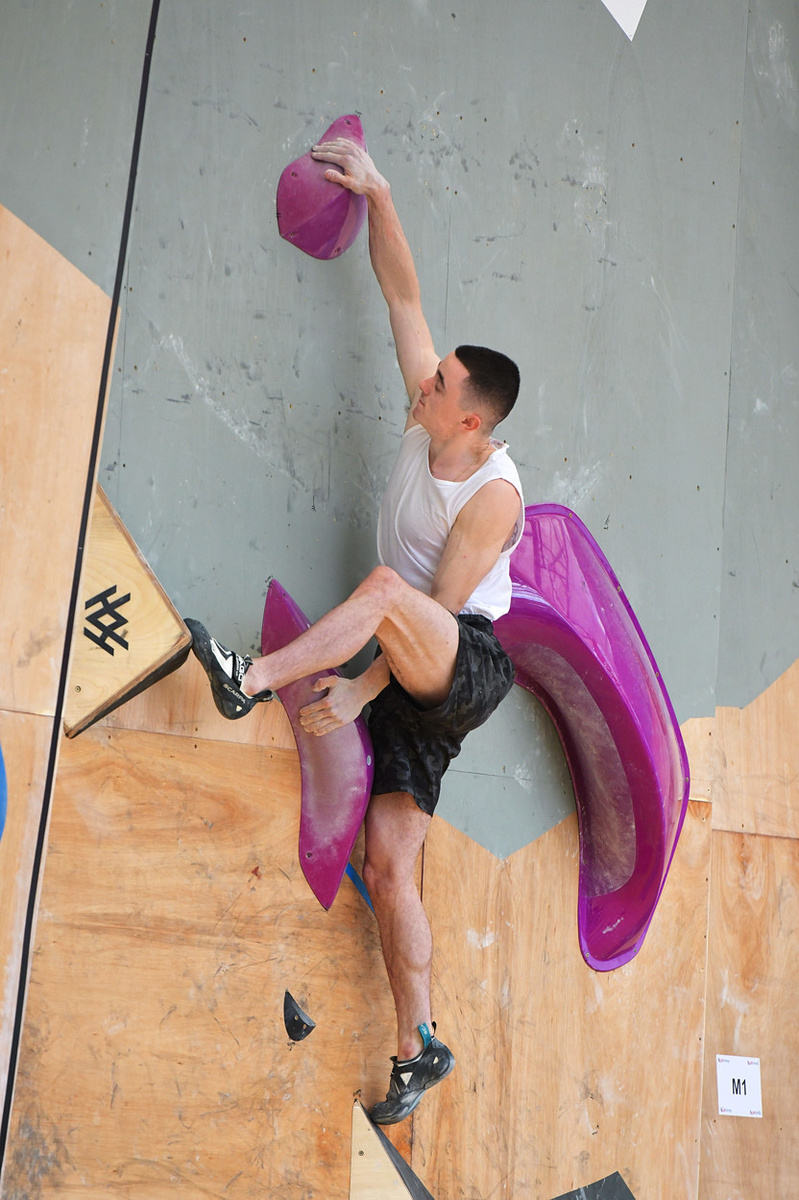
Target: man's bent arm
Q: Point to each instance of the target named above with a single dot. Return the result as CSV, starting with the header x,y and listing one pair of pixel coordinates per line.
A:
x,y
483,528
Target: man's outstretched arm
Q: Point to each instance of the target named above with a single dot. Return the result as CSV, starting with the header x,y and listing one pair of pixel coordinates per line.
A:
x,y
391,257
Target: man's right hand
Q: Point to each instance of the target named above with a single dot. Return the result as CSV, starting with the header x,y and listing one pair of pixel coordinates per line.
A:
x,y
344,698
341,704
360,174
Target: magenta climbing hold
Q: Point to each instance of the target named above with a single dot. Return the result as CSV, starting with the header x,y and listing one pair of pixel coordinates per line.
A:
x,y
577,646
313,213
335,770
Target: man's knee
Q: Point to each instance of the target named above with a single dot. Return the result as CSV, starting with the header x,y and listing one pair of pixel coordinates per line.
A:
x,y
395,830
375,876
385,584
381,871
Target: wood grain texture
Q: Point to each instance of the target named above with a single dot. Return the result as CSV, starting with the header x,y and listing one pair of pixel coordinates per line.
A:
x,y
182,705
373,1176
702,747
173,916
25,740
127,646
747,761
753,983
564,1075
53,327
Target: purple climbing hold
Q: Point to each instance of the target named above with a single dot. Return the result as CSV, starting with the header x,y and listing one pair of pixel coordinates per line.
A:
x,y
335,770
316,215
576,645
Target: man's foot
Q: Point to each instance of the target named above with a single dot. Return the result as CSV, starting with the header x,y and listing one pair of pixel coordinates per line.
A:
x,y
410,1080
225,670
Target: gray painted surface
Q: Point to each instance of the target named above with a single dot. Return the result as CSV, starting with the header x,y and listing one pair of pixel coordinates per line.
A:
x,y
571,197
760,584
69,89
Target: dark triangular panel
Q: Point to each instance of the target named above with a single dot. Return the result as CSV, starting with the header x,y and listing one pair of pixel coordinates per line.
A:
x,y
612,1187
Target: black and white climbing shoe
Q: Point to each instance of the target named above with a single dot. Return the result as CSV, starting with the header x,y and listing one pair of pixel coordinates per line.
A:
x,y
411,1079
225,670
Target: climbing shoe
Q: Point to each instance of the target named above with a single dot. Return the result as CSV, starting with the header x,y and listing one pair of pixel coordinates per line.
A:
x,y
225,670
411,1079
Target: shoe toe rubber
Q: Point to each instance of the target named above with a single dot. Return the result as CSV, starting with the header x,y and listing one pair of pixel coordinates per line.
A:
x,y
403,1097
230,701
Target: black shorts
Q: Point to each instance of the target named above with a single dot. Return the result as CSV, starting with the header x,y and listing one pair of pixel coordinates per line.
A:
x,y
413,746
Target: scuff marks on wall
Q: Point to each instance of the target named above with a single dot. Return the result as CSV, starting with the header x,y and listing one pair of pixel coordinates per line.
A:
x,y
573,487
585,170
303,452
771,50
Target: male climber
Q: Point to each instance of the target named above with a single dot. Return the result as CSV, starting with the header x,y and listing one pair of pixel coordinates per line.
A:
x,y
451,515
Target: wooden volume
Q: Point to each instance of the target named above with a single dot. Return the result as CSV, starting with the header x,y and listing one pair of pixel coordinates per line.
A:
x,y
127,634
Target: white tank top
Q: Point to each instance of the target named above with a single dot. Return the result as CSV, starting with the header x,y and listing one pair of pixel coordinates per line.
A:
x,y
418,512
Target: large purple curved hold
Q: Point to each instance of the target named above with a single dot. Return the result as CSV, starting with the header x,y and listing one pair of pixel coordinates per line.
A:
x,y
577,646
316,215
336,770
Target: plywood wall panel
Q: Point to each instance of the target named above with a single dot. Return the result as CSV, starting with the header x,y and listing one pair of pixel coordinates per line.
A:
x,y
53,327
126,631
182,704
25,740
747,761
564,1075
753,983
173,916
704,758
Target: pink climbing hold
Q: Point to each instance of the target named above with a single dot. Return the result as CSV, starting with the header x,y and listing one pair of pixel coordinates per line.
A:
x,y
335,770
576,644
318,216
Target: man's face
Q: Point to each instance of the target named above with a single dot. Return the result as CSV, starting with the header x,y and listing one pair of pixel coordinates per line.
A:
x,y
440,408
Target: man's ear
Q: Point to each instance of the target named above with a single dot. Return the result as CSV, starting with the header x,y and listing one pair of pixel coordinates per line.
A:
x,y
472,421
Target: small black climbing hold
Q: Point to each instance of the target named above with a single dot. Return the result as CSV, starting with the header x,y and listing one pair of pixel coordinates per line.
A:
x,y
298,1023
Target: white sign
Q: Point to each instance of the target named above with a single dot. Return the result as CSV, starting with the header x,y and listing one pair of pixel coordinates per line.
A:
x,y
738,1081
627,13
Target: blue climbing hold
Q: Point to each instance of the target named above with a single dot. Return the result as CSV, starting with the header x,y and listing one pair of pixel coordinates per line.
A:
x,y
3,793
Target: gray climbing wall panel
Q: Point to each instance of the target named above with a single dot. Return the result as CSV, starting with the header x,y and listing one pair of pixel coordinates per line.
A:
x,y
760,583
69,85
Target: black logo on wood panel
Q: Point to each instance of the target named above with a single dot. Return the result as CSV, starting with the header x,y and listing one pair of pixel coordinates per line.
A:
x,y
106,621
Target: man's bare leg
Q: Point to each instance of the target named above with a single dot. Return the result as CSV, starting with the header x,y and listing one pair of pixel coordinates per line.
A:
x,y
419,639
395,830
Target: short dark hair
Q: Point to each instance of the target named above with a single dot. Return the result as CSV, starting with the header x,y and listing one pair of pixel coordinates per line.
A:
x,y
493,379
